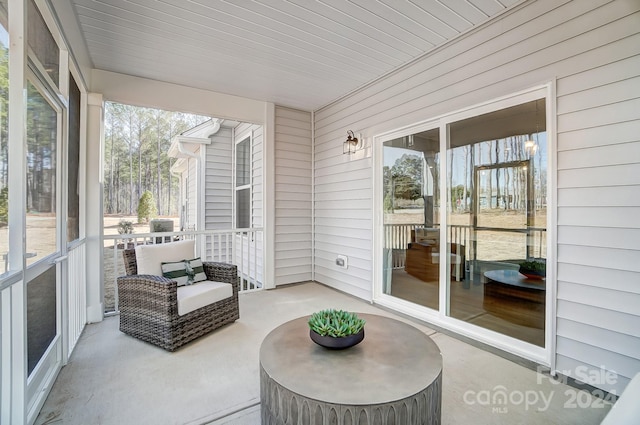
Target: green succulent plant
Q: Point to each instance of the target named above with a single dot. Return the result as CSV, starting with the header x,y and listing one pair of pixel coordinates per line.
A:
x,y
535,266
335,323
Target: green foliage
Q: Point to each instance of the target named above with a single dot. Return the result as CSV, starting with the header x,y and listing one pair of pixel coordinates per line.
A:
x,y
407,188
4,97
457,192
404,179
407,177
409,165
125,227
147,207
4,205
388,203
335,323
534,266
137,140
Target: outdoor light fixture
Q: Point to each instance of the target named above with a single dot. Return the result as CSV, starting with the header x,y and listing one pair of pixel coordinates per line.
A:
x,y
531,146
352,144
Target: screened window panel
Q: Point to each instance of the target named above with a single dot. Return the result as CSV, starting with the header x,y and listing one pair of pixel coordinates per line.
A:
x,y
41,176
42,43
73,205
243,208
243,163
41,316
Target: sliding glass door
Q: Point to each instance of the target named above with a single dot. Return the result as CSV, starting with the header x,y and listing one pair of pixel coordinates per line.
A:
x,y
411,204
464,219
496,215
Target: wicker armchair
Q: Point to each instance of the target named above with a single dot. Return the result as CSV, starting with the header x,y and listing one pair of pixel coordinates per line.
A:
x,y
149,306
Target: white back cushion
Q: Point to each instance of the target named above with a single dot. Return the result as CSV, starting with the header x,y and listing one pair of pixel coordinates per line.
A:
x,y
150,257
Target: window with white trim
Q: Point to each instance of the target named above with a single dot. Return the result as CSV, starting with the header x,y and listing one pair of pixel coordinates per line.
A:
x,y
243,183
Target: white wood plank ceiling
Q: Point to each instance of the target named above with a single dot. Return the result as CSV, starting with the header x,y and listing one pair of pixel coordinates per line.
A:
x,y
298,53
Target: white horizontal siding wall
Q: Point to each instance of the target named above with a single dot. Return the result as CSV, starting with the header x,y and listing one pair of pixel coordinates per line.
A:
x,y
292,196
591,48
218,184
598,107
218,189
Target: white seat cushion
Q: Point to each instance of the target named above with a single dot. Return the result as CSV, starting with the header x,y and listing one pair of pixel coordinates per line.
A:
x,y
150,257
193,297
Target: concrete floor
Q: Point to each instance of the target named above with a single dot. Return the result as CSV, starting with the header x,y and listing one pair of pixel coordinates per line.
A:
x,y
112,378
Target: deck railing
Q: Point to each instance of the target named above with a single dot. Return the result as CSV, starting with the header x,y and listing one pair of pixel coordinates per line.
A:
x,y
76,294
398,236
242,247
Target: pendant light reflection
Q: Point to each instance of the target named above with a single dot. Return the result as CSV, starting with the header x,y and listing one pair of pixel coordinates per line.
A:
x,y
531,146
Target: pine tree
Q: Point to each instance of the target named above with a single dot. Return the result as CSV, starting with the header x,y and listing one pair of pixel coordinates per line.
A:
x,y
147,207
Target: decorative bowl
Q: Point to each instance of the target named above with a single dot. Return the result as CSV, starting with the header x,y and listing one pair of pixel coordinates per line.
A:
x,y
532,274
339,343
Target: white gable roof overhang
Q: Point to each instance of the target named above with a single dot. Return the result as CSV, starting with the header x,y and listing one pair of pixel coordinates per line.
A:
x,y
185,145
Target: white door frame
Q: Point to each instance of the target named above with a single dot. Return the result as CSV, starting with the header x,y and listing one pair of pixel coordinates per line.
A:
x,y
541,355
47,368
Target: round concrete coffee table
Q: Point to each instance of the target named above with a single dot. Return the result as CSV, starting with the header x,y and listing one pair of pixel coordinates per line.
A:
x,y
393,376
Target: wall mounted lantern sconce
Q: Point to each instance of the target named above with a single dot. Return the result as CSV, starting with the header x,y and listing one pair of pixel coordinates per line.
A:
x,y
531,145
352,144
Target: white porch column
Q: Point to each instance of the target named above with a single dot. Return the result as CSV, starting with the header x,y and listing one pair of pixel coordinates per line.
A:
x,y
94,219
268,195
13,299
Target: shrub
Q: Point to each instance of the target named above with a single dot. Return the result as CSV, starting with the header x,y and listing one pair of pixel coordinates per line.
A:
x,y
4,205
147,207
125,227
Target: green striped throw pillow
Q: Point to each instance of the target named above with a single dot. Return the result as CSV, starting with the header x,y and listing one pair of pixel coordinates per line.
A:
x,y
197,270
176,271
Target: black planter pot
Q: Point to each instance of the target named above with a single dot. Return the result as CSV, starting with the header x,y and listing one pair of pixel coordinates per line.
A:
x,y
337,343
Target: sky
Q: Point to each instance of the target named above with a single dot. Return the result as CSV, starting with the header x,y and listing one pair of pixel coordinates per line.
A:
x,y
392,154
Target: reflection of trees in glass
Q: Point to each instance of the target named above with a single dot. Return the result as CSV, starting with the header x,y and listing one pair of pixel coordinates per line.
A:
x,y
459,194
404,180
503,188
41,153
137,140
4,122
4,206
